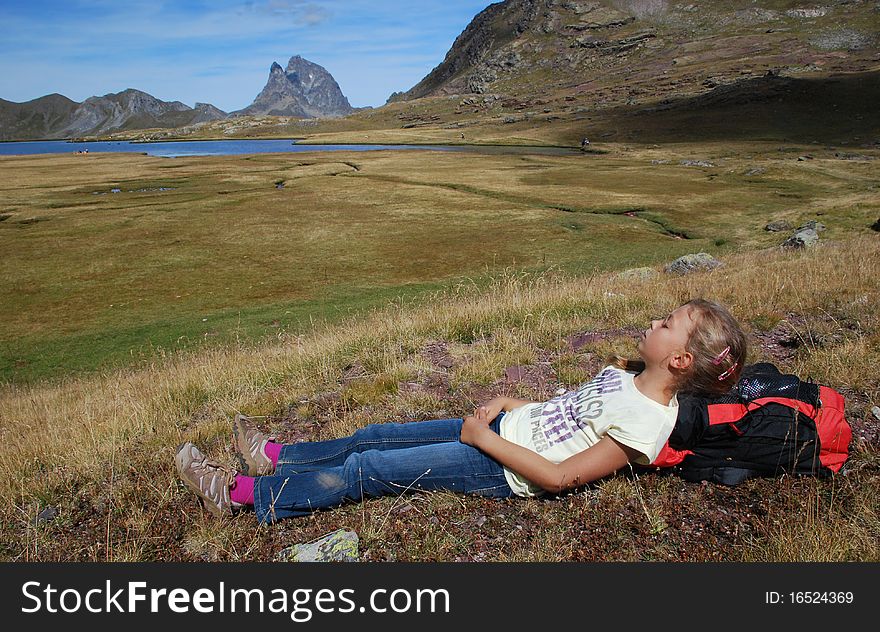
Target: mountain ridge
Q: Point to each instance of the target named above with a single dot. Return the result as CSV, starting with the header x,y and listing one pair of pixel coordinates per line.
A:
x,y
55,116
303,90
623,52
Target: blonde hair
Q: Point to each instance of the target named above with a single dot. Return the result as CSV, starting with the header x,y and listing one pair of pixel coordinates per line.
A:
x,y
719,347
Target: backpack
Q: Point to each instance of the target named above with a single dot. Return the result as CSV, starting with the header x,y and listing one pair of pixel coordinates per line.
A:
x,y
769,423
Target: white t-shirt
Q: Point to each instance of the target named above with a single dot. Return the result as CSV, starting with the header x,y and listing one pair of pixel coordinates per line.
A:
x,y
609,404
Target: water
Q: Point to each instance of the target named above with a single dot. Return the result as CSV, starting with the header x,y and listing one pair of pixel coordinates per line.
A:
x,y
235,147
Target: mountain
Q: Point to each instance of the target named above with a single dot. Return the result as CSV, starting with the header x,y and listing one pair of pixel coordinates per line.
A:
x,y
302,90
604,53
56,116
34,119
206,112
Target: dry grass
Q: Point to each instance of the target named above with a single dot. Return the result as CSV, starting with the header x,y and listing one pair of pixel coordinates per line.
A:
x,y
100,448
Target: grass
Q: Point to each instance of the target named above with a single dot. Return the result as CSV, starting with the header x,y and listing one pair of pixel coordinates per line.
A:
x,y
98,448
109,280
136,320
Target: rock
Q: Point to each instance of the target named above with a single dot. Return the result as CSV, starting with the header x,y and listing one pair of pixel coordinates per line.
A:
x,y
515,373
801,239
876,225
814,225
876,411
338,546
353,372
578,341
642,274
756,171
410,387
612,46
817,12
846,156
47,515
778,225
693,263
804,157
695,163
841,38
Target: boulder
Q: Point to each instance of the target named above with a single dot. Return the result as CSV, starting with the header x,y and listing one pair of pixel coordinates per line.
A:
x,y
876,225
814,225
695,163
338,546
47,515
693,263
801,239
778,225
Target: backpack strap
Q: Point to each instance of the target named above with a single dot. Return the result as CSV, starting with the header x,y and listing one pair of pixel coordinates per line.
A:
x,y
834,431
670,457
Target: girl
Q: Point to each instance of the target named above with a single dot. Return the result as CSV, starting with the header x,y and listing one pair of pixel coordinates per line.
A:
x,y
508,447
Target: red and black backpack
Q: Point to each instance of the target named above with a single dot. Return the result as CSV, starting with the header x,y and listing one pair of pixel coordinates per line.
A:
x,y
769,423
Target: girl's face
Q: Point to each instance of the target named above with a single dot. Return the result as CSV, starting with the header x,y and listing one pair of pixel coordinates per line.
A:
x,y
665,340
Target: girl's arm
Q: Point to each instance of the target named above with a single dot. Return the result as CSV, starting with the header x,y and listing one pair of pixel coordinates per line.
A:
x,y
494,406
603,458
512,403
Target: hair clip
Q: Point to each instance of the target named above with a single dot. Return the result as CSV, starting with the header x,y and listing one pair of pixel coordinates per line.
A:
x,y
728,372
721,355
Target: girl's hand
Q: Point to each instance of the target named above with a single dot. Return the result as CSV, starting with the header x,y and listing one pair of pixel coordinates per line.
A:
x,y
492,408
473,428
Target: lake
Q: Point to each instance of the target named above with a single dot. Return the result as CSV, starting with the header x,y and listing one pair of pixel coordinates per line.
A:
x,y
175,149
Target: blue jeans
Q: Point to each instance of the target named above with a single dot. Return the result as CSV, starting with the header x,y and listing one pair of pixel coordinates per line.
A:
x,y
380,459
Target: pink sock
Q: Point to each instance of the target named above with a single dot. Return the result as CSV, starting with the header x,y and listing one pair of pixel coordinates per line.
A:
x,y
273,451
242,491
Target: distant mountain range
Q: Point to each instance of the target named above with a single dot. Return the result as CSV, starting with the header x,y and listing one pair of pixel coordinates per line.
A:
x,y
303,90
56,116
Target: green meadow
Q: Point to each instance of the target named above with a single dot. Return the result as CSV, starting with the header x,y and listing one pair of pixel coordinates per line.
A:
x,y
194,252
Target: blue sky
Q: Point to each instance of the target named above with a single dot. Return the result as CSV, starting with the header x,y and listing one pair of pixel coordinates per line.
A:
x,y
220,51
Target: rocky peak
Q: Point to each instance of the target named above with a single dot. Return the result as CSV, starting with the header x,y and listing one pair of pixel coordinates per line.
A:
x,y
303,90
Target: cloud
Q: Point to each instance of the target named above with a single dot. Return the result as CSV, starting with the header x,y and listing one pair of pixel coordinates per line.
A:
x,y
308,13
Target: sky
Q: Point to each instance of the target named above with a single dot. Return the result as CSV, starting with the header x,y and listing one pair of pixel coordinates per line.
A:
x,y
220,51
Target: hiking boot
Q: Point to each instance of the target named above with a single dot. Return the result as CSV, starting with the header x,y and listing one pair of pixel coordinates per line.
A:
x,y
250,446
208,479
